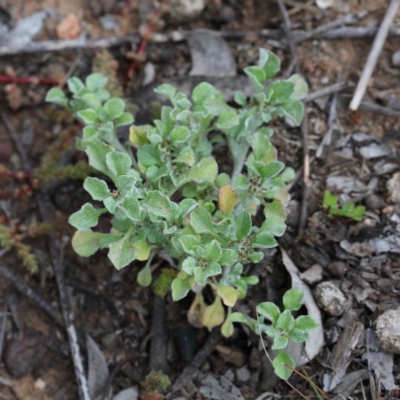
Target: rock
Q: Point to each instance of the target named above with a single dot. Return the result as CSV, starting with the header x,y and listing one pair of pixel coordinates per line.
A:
x,y
183,10
375,202
393,188
23,352
330,298
396,58
338,269
243,374
388,331
312,275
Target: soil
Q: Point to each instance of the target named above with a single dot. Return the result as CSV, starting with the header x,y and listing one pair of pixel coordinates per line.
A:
x,y
109,305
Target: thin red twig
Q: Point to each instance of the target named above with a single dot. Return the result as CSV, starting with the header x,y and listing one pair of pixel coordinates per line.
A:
x,y
28,80
154,16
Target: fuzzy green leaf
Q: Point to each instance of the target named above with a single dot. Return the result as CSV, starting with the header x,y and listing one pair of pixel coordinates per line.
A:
x,y
294,109
306,323
180,134
202,273
205,171
97,188
158,204
203,93
285,322
118,163
275,208
300,87
57,96
149,155
269,62
260,144
180,288
212,251
88,116
257,77
125,119
269,310
280,342
86,217
272,169
229,257
227,119
274,225
97,152
122,252
292,299
132,208
166,90
243,225
96,81
264,240
189,243
279,92
280,362
144,276
114,108
75,85
86,243
200,220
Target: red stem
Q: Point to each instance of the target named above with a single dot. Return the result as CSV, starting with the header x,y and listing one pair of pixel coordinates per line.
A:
x,y
28,80
17,175
155,16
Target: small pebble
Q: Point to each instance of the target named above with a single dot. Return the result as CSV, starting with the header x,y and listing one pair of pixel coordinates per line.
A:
x,y
396,58
338,269
393,188
388,331
375,202
182,10
243,374
39,385
330,298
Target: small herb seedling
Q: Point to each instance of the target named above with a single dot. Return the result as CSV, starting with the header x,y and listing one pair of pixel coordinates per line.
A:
x,y
164,190
281,327
348,210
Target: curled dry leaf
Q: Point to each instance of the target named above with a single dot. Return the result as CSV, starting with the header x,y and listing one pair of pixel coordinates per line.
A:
x,y
316,341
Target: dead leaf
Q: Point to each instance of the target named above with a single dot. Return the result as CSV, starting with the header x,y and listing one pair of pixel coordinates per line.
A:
x,y
69,28
227,199
98,374
382,365
214,314
196,311
24,30
127,394
219,390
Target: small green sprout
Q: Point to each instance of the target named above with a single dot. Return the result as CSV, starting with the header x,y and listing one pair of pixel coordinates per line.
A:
x,y
348,210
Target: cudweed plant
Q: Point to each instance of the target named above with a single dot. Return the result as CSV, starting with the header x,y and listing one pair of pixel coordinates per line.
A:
x,y
165,193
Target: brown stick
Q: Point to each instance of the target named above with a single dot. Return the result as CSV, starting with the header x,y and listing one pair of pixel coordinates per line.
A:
x,y
304,125
376,49
348,32
195,364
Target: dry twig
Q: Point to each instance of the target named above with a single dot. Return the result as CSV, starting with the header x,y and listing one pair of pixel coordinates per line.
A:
x,y
304,124
195,364
374,54
347,32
